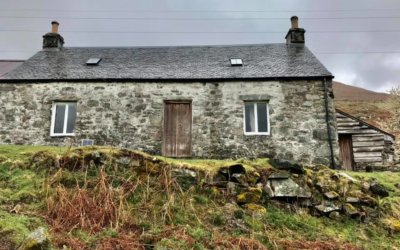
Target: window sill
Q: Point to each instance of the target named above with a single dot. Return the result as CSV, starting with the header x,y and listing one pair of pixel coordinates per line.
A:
x,y
62,135
256,133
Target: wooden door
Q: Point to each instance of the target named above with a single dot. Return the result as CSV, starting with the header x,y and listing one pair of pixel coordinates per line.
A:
x,y
346,151
177,141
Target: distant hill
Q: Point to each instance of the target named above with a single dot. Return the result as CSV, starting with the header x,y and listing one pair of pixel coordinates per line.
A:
x,y
367,105
344,92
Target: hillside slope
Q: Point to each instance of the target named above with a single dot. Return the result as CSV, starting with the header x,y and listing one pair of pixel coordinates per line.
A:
x,y
344,92
372,107
111,198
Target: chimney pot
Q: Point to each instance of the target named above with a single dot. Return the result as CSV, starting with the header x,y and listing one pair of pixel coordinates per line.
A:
x,y
54,27
53,40
295,22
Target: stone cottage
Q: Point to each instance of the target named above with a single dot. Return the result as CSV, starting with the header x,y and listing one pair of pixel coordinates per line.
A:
x,y
262,100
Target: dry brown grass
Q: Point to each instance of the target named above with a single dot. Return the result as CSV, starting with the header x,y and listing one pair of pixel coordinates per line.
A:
x,y
60,240
123,241
351,93
238,243
90,210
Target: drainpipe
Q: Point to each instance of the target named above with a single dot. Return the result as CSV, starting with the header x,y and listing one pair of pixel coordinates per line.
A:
x,y
333,165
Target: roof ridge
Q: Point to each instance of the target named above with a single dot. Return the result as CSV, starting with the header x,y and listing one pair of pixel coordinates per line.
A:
x,y
174,46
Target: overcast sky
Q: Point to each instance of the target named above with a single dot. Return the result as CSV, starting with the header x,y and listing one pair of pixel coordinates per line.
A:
x,y
357,40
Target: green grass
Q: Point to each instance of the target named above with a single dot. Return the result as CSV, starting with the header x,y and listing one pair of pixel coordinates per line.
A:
x,y
16,227
388,179
298,226
170,214
22,152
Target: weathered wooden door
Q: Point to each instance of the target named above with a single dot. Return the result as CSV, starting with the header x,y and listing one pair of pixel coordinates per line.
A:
x,y
346,151
177,140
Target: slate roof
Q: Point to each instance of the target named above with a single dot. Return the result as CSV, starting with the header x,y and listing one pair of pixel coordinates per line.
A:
x,y
270,61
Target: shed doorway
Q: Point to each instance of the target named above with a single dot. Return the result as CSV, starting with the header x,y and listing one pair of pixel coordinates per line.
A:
x,y
177,139
346,151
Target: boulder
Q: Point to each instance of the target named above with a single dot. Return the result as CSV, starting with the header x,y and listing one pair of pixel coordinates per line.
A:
x,y
252,195
325,185
348,177
37,240
185,177
379,189
350,210
287,165
327,208
288,188
332,195
335,215
279,175
362,198
352,199
268,190
233,173
183,172
239,178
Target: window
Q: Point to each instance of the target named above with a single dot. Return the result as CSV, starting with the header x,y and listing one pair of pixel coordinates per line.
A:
x,y
256,118
236,62
63,119
93,61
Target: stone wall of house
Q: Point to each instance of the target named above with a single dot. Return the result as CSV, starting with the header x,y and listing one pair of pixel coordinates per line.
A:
x,y
131,115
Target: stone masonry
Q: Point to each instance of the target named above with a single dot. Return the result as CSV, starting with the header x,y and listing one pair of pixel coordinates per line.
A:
x,y
130,114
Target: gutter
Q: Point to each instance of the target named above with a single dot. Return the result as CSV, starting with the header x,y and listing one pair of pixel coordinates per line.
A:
x,y
333,164
166,80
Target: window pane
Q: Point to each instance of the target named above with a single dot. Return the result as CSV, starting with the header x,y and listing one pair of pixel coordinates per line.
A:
x,y
59,120
71,117
262,117
249,117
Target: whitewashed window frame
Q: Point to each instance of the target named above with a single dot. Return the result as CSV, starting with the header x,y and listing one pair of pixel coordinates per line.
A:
x,y
256,118
53,119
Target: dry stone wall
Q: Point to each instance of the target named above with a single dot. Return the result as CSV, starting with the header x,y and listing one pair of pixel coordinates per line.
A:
x,y
131,115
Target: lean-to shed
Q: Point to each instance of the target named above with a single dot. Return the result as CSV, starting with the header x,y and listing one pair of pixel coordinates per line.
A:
x,y
361,144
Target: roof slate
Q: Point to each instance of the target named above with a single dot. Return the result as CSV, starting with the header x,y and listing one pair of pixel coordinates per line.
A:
x,y
184,62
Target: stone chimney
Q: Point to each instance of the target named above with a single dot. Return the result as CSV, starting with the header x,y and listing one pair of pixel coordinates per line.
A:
x,y
295,34
53,40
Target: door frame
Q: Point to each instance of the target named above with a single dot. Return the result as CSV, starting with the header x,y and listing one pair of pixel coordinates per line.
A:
x,y
177,101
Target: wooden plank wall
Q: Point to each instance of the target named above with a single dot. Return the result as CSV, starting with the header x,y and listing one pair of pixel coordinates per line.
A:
x,y
368,143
